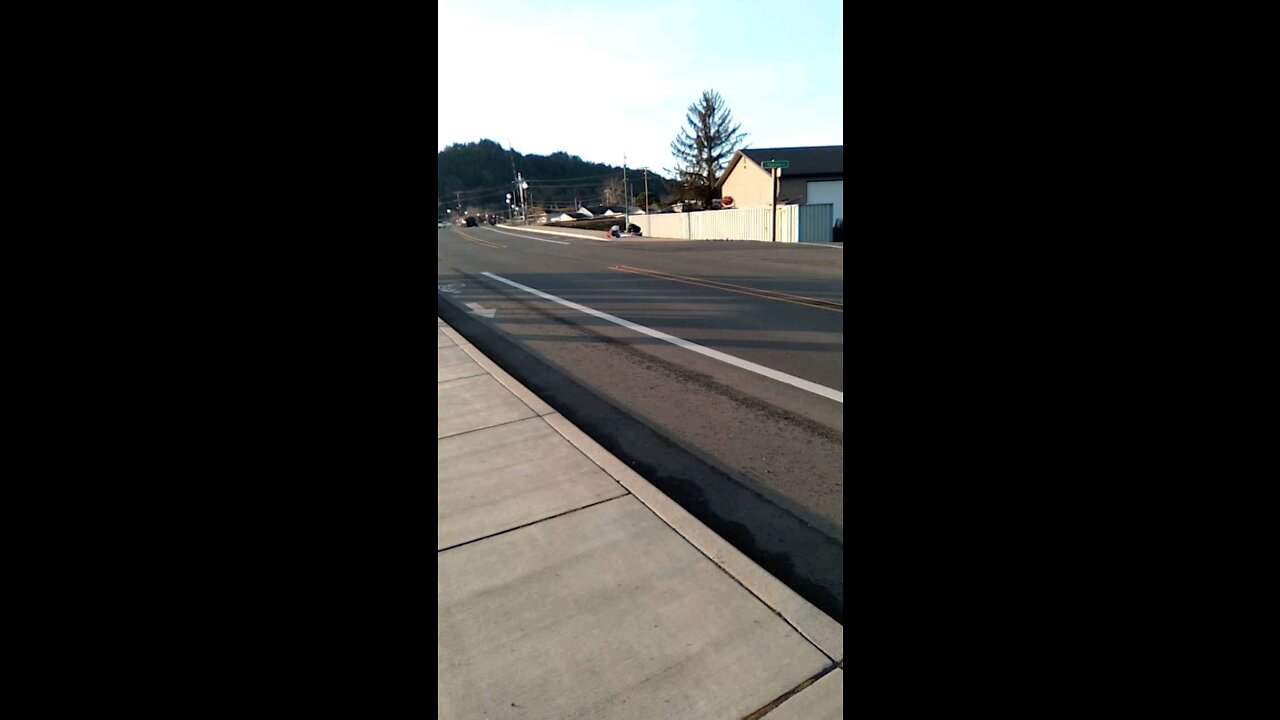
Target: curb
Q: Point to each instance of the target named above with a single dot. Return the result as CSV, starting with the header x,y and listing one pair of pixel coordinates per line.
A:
x,y
816,626
555,232
644,238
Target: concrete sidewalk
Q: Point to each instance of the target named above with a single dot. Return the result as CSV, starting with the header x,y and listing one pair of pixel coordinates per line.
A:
x,y
567,586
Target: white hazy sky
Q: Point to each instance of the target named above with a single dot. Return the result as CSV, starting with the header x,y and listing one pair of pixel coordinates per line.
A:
x,y
597,79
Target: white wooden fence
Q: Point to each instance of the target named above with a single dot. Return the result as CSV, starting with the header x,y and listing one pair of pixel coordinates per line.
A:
x,y
796,223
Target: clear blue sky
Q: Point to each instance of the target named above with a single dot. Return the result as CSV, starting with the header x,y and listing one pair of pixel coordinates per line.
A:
x,y
597,79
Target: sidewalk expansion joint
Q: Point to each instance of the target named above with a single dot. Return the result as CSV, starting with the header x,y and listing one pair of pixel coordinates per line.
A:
x,y
442,382
482,371
486,427
535,522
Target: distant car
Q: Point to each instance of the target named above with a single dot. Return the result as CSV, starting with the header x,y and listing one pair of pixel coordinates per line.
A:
x,y
439,223
471,222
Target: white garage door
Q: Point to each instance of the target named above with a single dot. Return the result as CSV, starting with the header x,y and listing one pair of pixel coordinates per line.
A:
x,y
827,191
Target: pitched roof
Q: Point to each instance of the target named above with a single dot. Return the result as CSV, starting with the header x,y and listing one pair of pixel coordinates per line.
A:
x,y
819,160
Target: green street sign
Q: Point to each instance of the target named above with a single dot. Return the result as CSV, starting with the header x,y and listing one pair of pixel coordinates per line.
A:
x,y
771,164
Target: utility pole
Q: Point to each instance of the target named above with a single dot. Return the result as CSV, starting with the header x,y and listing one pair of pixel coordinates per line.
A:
x,y
773,175
626,206
515,183
646,192
524,209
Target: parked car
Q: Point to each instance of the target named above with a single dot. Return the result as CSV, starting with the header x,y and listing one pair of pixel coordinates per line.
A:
x,y
471,222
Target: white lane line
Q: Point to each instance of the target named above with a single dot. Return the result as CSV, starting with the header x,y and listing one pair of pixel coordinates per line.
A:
x,y
791,380
527,237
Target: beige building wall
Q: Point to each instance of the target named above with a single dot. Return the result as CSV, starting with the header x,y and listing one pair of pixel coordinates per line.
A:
x,y
748,185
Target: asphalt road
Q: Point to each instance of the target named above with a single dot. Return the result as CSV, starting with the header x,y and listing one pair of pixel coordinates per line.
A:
x,y
724,386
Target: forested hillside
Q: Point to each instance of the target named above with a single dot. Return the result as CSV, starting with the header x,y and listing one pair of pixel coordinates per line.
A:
x,y
482,172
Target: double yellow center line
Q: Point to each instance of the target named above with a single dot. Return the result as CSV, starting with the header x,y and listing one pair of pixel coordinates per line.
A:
x,y
478,241
741,289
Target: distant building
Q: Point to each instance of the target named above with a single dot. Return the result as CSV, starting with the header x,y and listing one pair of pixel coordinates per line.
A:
x,y
816,175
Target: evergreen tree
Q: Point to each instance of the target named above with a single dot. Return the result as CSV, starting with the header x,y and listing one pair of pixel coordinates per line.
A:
x,y
703,149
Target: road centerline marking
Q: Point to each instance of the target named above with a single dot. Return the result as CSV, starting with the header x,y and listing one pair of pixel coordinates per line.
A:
x,y
478,240
747,365
831,305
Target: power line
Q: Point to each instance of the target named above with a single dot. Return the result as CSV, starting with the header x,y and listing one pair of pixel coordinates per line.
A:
x,y
581,177
609,174
485,189
566,187
555,182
